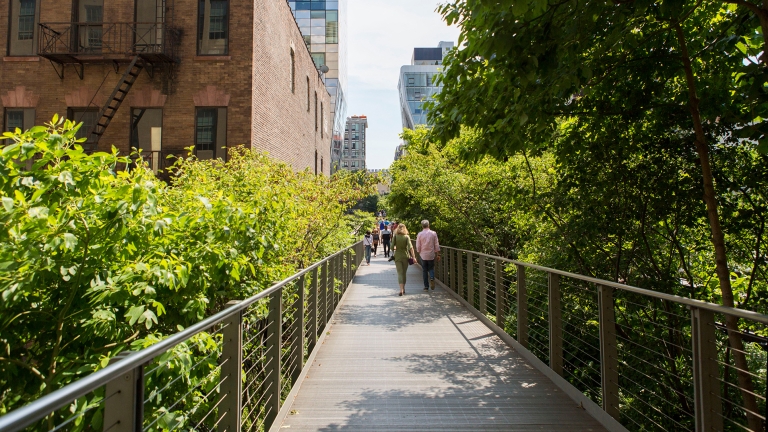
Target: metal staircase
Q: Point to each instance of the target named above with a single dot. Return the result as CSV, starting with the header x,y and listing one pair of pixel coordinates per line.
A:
x,y
109,110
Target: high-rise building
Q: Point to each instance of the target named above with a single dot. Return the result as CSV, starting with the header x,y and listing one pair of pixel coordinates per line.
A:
x,y
353,156
324,26
399,151
417,85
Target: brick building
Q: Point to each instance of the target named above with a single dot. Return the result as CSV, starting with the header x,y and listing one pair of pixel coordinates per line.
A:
x,y
164,75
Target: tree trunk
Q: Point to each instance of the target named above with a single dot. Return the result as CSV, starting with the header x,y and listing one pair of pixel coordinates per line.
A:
x,y
718,240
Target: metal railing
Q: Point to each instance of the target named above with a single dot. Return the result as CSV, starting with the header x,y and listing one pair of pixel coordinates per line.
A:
x,y
107,39
652,361
230,372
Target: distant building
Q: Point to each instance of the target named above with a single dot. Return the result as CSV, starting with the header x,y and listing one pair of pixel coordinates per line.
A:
x,y
399,151
384,185
353,155
416,84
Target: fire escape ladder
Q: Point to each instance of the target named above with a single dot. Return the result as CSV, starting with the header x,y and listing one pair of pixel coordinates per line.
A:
x,y
116,99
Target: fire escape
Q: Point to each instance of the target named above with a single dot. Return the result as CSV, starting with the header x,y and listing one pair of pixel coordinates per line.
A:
x,y
129,46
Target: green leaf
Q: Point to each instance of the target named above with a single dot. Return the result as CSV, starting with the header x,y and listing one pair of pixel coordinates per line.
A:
x,y
7,204
134,313
70,241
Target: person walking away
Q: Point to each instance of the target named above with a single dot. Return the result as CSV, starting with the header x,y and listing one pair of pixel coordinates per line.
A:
x,y
381,224
403,252
368,242
428,248
376,236
386,238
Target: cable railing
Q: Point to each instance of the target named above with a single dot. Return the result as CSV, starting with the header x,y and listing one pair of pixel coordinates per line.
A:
x,y
650,360
231,371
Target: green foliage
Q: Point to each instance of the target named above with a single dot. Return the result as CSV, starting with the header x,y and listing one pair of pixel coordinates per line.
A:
x,y
97,259
623,209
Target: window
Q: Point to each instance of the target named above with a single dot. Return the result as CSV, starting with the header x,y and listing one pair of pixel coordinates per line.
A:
x,y
26,19
147,134
321,165
21,118
22,35
87,116
90,34
308,96
293,71
322,121
315,162
345,164
315,111
211,133
213,27
332,27
319,59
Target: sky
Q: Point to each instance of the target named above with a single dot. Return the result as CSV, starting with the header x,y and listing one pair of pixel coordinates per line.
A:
x,y
381,38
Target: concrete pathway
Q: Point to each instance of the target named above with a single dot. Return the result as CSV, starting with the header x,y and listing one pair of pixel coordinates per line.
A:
x,y
422,362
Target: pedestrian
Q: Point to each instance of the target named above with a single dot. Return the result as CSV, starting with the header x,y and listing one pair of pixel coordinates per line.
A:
x,y
368,242
381,224
393,227
376,236
386,238
403,255
428,248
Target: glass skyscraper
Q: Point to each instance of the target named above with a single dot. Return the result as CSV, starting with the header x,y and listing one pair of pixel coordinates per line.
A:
x,y
416,84
324,27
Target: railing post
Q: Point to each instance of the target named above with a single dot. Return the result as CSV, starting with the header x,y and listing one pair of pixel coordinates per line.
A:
x,y
230,400
470,280
499,284
460,273
329,292
297,342
609,358
323,291
482,285
124,404
274,342
452,270
522,307
313,310
555,325
706,388
349,270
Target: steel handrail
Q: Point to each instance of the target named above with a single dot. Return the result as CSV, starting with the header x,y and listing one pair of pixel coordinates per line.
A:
x,y
37,410
687,301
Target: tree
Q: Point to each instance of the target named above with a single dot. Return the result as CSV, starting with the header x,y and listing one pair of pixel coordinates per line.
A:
x,y
528,65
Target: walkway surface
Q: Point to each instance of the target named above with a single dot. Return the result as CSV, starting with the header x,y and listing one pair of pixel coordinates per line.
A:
x,y
422,362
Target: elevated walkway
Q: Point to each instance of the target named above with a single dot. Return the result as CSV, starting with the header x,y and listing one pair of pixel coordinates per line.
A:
x,y
421,362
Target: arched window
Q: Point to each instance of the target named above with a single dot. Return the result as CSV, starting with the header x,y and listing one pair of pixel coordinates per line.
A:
x,y
293,71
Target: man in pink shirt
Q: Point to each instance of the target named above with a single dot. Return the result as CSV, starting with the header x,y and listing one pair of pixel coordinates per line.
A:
x,y
428,248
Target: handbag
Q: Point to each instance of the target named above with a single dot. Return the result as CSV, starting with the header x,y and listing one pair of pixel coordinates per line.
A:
x,y
411,259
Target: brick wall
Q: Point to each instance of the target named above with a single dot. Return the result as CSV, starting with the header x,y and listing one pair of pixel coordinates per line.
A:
x,y
195,78
282,124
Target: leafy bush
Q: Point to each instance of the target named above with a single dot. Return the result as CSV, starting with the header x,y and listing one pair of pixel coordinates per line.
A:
x,y
95,259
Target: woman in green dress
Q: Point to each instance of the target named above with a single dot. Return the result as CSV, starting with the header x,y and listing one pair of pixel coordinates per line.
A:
x,y
403,248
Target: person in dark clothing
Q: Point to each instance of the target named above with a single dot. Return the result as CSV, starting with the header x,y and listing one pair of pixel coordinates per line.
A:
x,y
376,239
386,238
